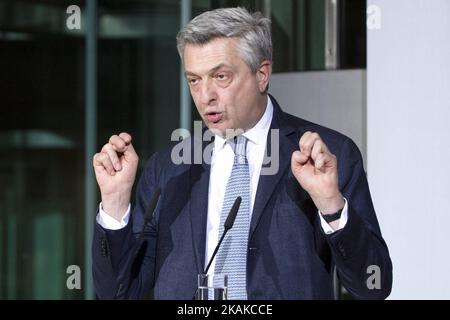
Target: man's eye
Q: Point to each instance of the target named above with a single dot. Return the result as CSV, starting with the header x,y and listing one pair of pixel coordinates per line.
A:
x,y
221,76
193,81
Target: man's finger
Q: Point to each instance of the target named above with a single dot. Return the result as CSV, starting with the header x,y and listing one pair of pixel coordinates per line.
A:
x,y
95,160
102,160
126,137
118,143
130,154
323,160
303,139
299,158
113,156
307,143
318,147
319,162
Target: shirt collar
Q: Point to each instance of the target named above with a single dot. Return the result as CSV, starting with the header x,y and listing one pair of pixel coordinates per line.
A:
x,y
257,134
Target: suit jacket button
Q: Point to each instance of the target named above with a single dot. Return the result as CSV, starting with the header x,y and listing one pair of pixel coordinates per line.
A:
x,y
342,249
104,247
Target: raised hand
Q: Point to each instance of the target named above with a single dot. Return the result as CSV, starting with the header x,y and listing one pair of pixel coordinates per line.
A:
x,y
115,170
315,168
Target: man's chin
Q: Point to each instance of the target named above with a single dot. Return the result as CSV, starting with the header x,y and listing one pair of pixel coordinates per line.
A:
x,y
223,130
217,128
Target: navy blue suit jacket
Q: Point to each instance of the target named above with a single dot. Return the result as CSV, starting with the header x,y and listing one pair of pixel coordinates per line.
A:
x,y
289,255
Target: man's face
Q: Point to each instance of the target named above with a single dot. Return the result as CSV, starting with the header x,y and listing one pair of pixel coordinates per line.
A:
x,y
225,91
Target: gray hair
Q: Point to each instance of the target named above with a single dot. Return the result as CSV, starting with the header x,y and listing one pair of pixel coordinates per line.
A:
x,y
251,30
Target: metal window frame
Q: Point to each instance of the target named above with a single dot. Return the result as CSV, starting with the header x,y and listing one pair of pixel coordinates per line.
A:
x,y
331,34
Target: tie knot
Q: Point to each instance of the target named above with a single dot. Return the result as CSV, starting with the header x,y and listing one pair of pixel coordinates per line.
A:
x,y
240,145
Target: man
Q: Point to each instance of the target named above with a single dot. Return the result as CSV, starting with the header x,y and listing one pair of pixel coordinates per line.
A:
x,y
293,226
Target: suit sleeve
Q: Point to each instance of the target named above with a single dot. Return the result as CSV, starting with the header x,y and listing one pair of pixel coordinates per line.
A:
x,y
112,249
359,251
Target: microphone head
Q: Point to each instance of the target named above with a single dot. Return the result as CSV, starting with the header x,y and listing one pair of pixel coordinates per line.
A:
x,y
233,213
152,205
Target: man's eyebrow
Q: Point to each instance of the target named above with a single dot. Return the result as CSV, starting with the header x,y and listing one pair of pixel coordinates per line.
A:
x,y
188,73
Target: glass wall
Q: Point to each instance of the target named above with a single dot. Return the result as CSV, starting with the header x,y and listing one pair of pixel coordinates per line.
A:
x,y
41,150
42,131
43,116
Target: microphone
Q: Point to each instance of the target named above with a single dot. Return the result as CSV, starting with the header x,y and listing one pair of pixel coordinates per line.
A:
x,y
124,282
227,226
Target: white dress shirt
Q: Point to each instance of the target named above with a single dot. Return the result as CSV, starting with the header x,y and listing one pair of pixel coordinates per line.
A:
x,y
221,166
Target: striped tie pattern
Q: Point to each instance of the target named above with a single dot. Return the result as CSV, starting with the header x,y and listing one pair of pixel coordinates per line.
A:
x,y
232,256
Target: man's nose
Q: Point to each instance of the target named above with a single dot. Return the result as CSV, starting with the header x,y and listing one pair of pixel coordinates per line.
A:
x,y
208,93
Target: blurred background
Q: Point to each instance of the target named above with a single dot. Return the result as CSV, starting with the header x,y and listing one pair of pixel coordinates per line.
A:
x,y
64,92
51,124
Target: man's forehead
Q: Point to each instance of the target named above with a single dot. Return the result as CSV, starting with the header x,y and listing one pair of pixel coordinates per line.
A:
x,y
216,46
218,53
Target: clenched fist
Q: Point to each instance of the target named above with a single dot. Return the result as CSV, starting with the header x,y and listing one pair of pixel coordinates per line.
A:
x,y
115,170
315,168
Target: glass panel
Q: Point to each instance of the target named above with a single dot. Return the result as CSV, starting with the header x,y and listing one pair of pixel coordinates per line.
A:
x,y
138,65
41,150
298,31
42,125
352,34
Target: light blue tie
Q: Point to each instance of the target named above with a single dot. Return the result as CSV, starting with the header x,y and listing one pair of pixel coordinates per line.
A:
x,y
232,256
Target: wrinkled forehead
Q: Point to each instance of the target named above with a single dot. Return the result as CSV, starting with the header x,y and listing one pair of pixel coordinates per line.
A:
x,y
201,58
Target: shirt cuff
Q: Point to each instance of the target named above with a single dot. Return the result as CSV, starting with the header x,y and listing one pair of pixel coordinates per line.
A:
x,y
108,222
342,222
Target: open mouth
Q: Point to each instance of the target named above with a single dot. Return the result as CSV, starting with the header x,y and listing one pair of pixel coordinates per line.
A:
x,y
214,117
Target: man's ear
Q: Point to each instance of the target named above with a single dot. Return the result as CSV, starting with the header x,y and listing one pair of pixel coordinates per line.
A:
x,y
263,75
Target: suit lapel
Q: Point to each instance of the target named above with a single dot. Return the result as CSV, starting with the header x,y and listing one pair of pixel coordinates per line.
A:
x,y
268,183
199,182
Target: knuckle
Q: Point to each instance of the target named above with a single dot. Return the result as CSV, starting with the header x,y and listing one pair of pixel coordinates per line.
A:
x,y
113,139
111,152
125,135
105,157
107,147
307,144
101,160
301,142
320,145
107,164
315,136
